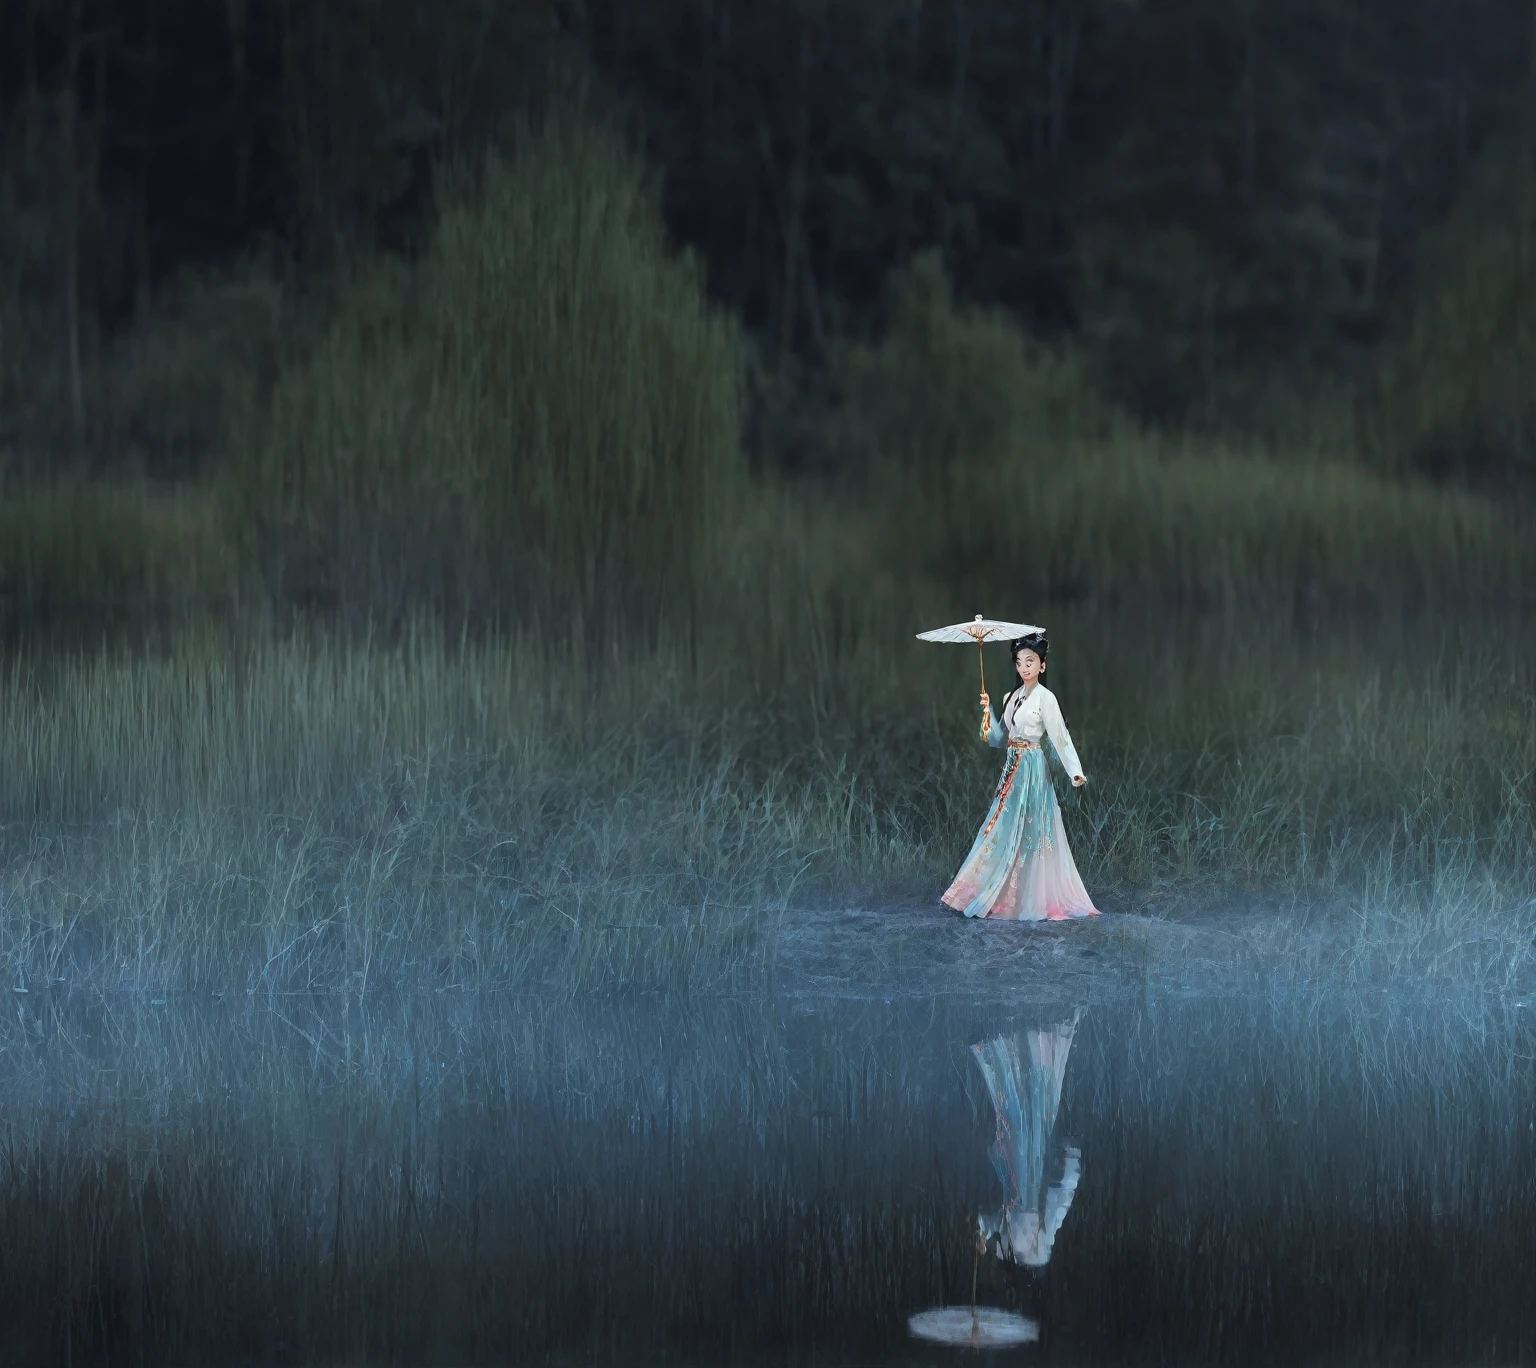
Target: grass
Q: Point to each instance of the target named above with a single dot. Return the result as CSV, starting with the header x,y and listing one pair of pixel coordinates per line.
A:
x,y
307,813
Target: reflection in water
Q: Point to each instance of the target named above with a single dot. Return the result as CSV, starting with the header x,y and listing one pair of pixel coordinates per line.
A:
x,y
1024,1073
442,1178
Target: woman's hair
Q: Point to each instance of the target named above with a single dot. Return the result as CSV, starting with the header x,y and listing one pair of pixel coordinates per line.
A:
x,y
1038,642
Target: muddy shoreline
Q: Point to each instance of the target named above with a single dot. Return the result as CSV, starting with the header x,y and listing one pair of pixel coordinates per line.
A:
x,y
1168,940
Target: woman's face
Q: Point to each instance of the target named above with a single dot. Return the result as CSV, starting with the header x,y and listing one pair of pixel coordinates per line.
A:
x,y
1029,666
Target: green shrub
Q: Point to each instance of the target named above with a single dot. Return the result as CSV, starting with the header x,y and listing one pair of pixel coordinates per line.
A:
x,y
33,392
88,552
1135,518
950,387
1457,370
177,389
541,419
983,460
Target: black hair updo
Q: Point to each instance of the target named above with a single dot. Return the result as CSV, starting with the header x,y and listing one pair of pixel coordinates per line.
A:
x,y
1038,642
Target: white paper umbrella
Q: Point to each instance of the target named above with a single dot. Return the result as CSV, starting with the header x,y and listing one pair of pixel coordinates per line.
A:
x,y
985,1327
980,630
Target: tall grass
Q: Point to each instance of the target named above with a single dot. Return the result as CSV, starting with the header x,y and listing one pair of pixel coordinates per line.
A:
x,y
309,813
313,815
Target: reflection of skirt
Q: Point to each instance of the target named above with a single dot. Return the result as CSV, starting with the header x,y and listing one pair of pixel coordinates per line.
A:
x,y
1024,1076
1020,866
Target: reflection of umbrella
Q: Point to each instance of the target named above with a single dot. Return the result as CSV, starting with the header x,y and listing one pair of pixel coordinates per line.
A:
x,y
986,1327
982,629
973,1327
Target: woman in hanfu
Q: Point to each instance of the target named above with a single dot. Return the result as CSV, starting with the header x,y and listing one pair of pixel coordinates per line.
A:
x,y
1024,1075
1020,866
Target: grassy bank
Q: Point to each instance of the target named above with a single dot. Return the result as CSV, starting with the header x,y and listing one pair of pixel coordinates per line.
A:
x,y
308,813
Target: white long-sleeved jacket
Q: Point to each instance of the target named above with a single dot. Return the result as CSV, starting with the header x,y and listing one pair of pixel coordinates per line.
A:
x,y
1028,717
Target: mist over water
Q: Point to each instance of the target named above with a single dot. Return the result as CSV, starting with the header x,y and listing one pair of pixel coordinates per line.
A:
x,y
453,1178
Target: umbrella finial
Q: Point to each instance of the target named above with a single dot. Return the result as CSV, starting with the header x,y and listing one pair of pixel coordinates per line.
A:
x,y
978,617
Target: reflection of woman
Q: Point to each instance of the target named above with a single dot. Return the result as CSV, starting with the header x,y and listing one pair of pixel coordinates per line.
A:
x,y
1024,1074
1020,866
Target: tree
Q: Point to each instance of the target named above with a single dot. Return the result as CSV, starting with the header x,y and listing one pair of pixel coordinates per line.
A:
x,y
1457,368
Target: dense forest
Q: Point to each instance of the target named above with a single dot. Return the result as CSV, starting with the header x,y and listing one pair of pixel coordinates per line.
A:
x,y
1225,207
319,299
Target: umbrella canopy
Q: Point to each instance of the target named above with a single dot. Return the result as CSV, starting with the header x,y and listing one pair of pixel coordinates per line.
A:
x,y
980,630
985,1327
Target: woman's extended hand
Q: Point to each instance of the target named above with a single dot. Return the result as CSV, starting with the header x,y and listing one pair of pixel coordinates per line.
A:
x,y
986,701
1078,780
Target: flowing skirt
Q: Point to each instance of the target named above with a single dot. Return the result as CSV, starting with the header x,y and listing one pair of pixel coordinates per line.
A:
x,y
1024,1077
1020,866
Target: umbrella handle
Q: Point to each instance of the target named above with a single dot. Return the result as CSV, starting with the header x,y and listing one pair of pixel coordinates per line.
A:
x,y
981,662
975,1264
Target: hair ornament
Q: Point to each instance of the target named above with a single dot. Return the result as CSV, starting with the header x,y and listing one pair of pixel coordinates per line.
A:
x,y
1038,642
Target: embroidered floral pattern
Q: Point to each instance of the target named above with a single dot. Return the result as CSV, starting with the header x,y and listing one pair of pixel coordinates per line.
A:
x,y
1003,789
1020,865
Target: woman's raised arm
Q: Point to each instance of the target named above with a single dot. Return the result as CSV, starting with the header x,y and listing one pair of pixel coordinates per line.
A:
x,y
993,732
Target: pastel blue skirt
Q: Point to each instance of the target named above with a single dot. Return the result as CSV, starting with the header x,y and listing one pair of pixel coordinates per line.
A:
x,y
1019,866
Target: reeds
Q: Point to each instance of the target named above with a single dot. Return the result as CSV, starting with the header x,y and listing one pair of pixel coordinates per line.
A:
x,y
307,812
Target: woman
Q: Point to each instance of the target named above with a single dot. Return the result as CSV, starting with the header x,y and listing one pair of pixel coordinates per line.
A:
x,y
1024,1076
1020,866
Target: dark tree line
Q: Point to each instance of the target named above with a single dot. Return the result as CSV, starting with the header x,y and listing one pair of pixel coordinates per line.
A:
x,y
1190,184
139,138
1188,187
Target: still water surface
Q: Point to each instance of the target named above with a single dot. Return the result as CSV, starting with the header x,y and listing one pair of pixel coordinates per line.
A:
x,y
1248,1178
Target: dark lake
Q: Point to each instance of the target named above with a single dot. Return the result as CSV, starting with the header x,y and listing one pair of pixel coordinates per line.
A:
x,y
1261,1176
